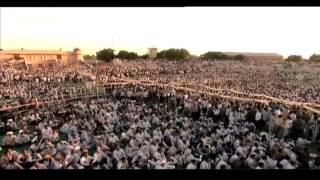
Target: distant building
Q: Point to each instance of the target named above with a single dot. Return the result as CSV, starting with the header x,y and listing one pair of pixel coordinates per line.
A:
x,y
257,56
152,53
41,58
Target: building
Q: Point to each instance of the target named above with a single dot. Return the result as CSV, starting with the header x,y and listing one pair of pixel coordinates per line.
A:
x,y
41,58
152,53
257,56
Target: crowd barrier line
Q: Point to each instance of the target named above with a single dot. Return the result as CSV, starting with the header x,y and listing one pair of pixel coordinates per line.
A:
x,y
236,92
151,83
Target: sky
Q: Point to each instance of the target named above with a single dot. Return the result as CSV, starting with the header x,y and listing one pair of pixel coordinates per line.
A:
x,y
282,30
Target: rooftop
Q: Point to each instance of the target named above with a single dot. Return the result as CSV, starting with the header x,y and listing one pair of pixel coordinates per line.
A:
x,y
253,54
23,51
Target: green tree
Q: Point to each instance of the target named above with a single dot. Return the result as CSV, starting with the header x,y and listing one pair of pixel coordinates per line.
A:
x,y
133,55
105,55
85,57
294,58
174,54
192,57
315,58
88,57
127,55
122,54
239,57
145,56
182,54
215,55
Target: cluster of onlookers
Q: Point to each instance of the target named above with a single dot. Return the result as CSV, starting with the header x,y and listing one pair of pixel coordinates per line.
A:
x,y
20,86
154,127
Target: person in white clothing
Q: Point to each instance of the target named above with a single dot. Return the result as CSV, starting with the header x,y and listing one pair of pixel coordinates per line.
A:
x,y
86,159
192,164
205,164
123,163
220,164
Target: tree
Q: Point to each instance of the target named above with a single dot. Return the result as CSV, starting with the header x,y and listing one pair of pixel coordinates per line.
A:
x,y
173,54
145,56
161,54
192,57
127,55
105,55
133,55
88,57
215,55
315,58
294,58
183,54
122,54
239,57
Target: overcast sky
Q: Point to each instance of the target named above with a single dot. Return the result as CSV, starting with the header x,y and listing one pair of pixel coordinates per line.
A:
x,y
283,30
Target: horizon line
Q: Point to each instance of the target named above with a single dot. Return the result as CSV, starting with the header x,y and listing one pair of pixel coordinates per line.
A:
x,y
119,49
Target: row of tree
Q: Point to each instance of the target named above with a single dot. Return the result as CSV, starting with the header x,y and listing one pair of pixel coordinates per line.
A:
x,y
182,54
108,55
297,58
127,55
221,56
169,54
174,54
315,58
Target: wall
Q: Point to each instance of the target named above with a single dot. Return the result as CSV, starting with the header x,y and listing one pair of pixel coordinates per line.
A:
x,y
152,52
39,56
257,58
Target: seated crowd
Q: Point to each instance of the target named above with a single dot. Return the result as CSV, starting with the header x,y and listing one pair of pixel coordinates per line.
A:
x,y
152,127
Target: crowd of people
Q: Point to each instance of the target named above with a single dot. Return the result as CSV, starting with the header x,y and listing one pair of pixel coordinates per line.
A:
x,y
153,127
19,86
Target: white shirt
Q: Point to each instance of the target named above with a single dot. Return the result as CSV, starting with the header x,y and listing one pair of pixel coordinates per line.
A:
x,y
231,118
250,162
118,154
236,143
289,166
85,161
233,158
216,111
264,115
97,156
236,116
205,165
258,116
220,163
121,165
191,166
284,162
293,116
